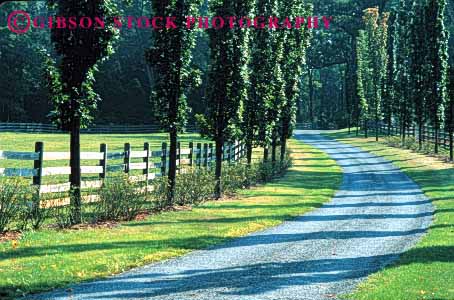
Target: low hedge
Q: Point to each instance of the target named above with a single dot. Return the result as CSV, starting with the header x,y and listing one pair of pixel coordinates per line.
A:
x,y
121,200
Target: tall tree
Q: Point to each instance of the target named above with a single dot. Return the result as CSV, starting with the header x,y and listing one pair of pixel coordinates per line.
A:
x,y
389,98
171,58
401,74
71,85
293,65
438,58
259,109
372,62
227,77
419,69
450,112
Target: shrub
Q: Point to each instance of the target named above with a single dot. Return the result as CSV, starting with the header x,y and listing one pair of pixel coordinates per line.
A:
x,y
34,213
235,177
159,193
119,199
268,170
393,141
62,215
15,196
410,143
194,186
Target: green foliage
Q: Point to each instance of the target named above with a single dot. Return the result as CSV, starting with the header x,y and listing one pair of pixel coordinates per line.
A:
x,y
15,196
119,199
259,124
170,56
293,63
228,75
194,186
401,74
34,214
419,63
23,96
80,51
372,63
438,58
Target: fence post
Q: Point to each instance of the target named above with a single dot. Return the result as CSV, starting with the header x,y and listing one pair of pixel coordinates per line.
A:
x,y
103,161
146,160
178,163
38,166
229,153
233,156
191,154
127,159
199,155
210,146
205,156
164,159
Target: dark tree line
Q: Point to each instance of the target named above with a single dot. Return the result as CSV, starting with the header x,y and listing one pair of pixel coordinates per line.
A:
x,y
414,76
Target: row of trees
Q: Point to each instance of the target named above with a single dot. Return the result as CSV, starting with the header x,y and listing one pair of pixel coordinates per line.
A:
x,y
251,94
251,91
403,74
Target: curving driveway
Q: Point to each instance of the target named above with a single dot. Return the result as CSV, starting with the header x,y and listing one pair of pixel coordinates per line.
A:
x,y
377,214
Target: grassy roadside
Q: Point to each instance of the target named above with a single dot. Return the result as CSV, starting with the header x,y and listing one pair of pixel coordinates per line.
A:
x,y
427,270
48,259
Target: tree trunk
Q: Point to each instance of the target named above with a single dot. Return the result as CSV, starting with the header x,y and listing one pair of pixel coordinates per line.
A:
x,y
451,151
376,130
249,153
420,135
389,127
265,154
283,148
274,149
404,133
311,96
436,139
218,170
173,135
75,177
365,130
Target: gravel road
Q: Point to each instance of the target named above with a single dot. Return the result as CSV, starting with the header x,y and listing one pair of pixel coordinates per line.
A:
x,y
377,214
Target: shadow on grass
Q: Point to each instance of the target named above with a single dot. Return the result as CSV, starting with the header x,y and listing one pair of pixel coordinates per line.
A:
x,y
253,279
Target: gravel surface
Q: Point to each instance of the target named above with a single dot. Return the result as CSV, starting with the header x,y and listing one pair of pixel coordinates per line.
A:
x,y
377,214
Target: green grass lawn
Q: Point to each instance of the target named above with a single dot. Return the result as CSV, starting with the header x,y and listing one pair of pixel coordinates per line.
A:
x,y
89,142
25,142
427,270
47,259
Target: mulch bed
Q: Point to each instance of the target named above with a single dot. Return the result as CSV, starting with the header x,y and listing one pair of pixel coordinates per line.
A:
x,y
16,235
10,236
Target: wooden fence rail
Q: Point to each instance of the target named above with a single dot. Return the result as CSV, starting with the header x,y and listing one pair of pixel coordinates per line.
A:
x,y
427,134
151,164
97,129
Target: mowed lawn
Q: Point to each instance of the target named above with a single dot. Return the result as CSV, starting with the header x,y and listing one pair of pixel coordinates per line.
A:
x,y
25,142
47,259
427,270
